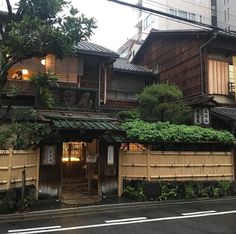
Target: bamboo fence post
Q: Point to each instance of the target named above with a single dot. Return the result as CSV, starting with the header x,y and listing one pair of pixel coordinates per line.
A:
x,y
120,181
37,172
148,163
10,159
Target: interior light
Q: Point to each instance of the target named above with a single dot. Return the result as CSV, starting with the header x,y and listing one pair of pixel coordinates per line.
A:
x,y
25,72
43,62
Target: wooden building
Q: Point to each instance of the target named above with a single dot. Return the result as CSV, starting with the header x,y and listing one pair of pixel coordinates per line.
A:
x,y
81,158
202,63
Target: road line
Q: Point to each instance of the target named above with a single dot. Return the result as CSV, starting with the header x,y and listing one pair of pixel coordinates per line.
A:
x,y
125,220
200,212
131,222
33,229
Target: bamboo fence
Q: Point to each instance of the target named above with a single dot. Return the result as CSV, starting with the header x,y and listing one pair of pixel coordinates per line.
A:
x,y
174,166
13,162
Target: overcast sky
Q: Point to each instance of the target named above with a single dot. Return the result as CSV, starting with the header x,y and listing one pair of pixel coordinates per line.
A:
x,y
115,22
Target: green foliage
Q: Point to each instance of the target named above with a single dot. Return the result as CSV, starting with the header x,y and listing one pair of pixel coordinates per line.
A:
x,y
136,194
42,80
141,131
38,28
179,190
162,102
25,133
128,115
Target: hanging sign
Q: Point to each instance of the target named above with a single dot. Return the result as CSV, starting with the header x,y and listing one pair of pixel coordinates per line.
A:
x,y
197,116
206,116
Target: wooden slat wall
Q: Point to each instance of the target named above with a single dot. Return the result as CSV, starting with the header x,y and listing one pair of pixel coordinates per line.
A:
x,y
66,69
218,74
13,162
175,166
178,59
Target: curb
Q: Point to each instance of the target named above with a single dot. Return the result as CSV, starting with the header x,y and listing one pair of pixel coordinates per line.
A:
x,y
57,213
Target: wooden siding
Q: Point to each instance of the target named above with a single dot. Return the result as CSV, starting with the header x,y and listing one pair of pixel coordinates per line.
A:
x,y
66,69
218,77
175,166
178,59
13,162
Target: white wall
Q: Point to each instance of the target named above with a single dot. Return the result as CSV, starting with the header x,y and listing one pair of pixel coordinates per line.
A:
x,y
199,10
226,14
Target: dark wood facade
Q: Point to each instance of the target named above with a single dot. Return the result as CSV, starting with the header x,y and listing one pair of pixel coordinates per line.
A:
x,y
189,60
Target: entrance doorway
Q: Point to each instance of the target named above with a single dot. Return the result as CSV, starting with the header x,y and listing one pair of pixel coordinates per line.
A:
x,y
80,172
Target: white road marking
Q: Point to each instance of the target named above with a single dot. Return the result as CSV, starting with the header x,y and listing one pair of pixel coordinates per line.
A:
x,y
131,222
33,229
125,220
200,212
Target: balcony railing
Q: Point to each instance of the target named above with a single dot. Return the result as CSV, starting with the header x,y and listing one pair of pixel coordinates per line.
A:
x,y
123,95
231,88
23,87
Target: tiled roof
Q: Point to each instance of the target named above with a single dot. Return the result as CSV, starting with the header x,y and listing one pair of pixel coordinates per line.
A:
x,y
124,65
85,47
80,120
229,113
85,124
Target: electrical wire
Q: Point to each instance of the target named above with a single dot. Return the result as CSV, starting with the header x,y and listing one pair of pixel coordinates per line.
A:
x,y
205,19
173,17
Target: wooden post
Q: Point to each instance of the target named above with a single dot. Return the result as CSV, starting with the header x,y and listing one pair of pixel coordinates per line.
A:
x,y
23,189
10,159
233,158
120,181
37,173
148,162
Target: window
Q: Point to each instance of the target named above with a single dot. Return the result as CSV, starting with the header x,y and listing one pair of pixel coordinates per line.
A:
x,y
225,15
173,11
228,13
148,21
192,16
183,14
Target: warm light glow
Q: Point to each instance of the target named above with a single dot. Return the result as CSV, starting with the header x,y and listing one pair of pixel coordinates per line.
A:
x,y
72,159
43,62
25,72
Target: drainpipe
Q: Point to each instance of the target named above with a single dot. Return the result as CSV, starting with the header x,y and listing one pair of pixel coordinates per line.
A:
x,y
201,60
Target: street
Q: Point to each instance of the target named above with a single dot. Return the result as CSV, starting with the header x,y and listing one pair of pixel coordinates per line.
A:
x,y
206,216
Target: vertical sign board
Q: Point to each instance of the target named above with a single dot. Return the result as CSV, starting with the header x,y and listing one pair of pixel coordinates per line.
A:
x,y
197,116
110,155
206,116
49,155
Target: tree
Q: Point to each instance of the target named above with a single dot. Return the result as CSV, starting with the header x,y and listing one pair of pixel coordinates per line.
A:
x,y
38,28
162,102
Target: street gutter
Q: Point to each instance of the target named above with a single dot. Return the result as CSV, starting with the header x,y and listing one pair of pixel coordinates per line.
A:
x,y
57,213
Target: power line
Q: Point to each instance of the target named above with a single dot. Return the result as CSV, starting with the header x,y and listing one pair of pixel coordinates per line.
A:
x,y
170,16
156,4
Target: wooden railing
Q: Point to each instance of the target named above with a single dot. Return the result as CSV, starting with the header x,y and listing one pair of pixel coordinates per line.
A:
x,y
175,166
13,162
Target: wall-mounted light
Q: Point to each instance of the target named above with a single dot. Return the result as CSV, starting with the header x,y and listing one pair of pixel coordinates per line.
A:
x,y
25,71
43,62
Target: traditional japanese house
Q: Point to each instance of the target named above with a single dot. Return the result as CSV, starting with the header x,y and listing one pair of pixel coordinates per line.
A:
x,y
81,158
202,63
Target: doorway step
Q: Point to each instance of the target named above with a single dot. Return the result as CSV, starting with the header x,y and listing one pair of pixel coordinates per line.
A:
x,y
75,192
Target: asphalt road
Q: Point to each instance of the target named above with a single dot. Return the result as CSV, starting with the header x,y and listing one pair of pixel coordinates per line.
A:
x,y
208,216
